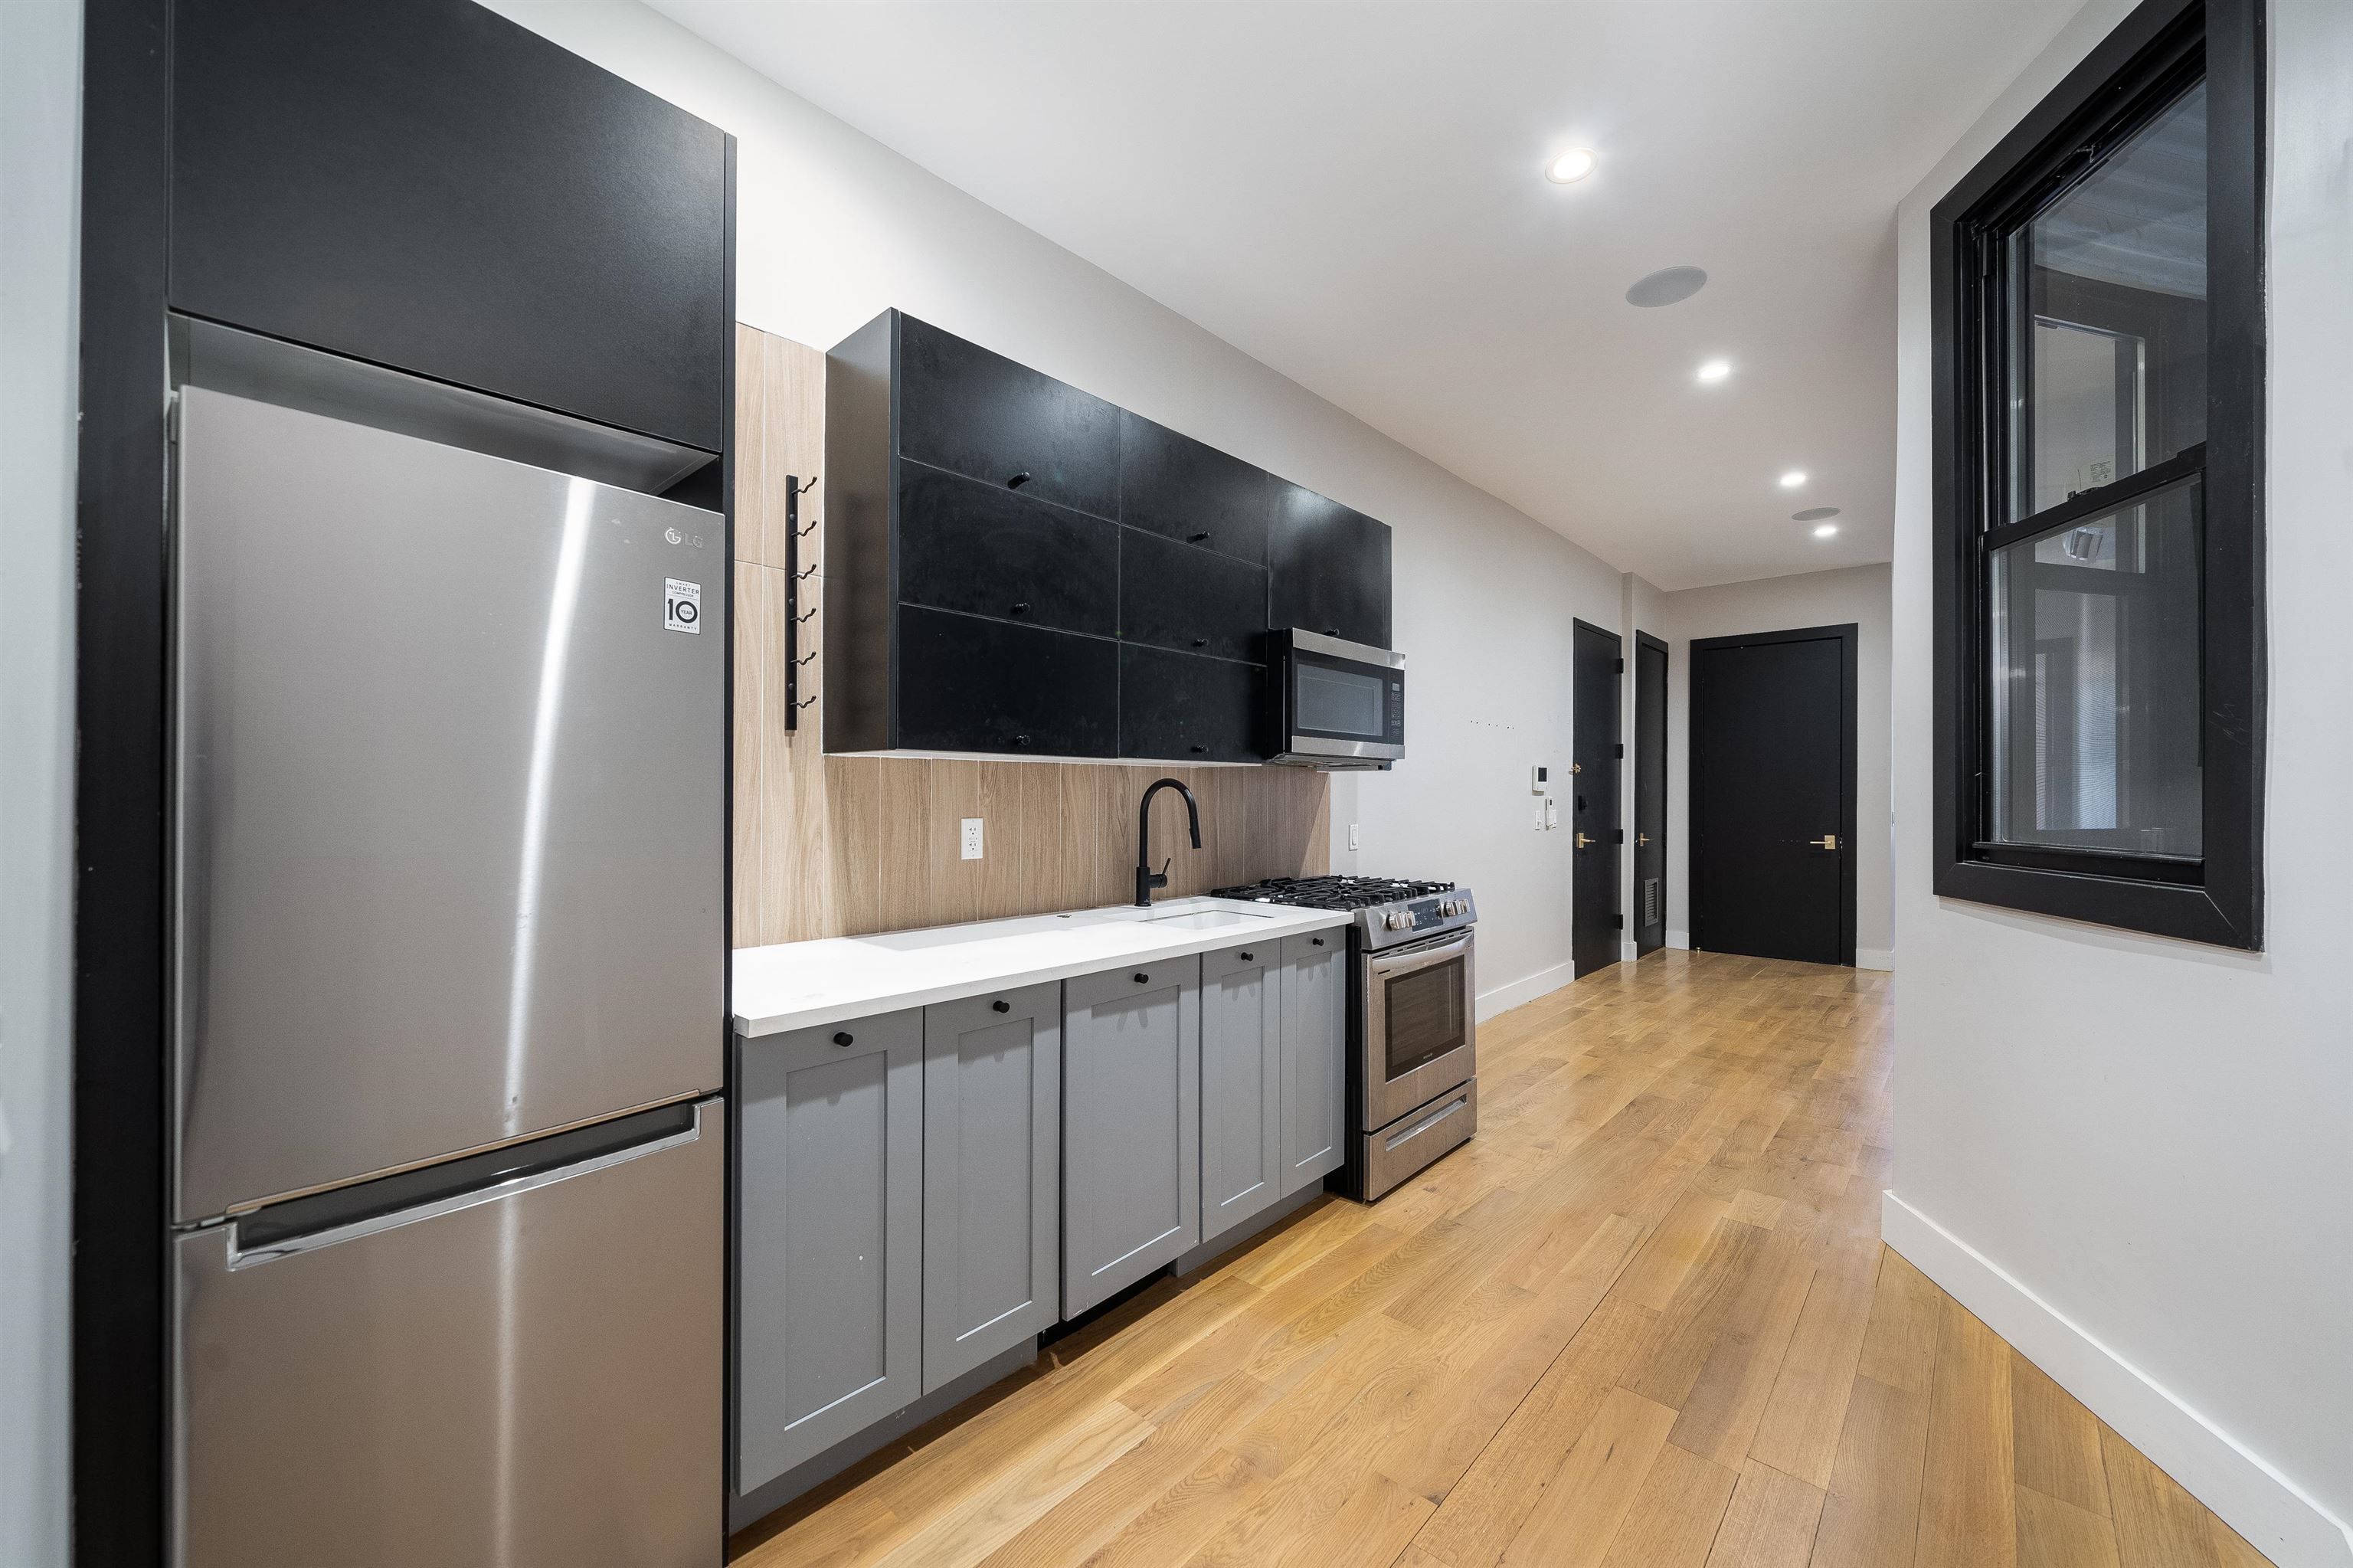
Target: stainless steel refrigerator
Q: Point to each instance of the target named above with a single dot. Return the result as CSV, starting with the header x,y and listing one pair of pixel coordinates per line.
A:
x,y
448,958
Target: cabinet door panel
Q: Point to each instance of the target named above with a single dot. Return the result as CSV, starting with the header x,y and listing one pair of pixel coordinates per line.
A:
x,y
432,187
1131,1127
828,1224
1315,1061
1328,569
1174,596
1241,1084
1176,487
969,547
979,414
968,684
992,1176
1184,707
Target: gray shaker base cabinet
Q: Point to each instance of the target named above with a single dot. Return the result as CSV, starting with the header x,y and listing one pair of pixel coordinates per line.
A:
x,y
830,1237
1315,1056
992,1176
1130,1125
921,1193
1241,1084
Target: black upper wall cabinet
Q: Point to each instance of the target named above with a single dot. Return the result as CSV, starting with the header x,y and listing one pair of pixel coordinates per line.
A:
x,y
432,187
1330,568
1181,489
1013,567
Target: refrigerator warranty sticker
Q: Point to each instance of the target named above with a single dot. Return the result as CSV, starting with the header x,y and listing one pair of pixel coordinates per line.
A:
x,y
681,606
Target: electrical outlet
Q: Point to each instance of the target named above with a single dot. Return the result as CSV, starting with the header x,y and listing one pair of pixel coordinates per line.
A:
x,y
1552,813
1352,835
1540,816
972,838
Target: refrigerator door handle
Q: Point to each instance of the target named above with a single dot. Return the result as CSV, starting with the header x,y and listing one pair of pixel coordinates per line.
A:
x,y
389,1202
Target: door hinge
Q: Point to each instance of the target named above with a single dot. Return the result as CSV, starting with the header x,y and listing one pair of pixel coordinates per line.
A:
x,y
1622,750
1622,667
1617,922
1617,835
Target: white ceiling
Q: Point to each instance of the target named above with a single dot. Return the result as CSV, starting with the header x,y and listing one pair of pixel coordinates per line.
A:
x,y
1352,194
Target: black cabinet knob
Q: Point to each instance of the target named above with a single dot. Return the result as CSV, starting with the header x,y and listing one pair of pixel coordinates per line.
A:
x,y
1001,1005
1017,481
1200,748
1317,940
1198,538
1021,607
1249,957
843,1037
1331,632
1020,740
1200,642
1143,979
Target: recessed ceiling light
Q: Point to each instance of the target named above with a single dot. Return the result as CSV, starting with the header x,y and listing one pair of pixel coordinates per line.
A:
x,y
1667,286
1824,530
1813,515
1713,371
1571,166
1794,477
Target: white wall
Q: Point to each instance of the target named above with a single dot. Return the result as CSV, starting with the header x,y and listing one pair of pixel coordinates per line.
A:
x,y
2134,1157
1857,594
833,228
41,76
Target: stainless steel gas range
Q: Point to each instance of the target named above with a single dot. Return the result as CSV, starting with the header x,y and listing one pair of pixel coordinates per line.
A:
x,y
1413,1037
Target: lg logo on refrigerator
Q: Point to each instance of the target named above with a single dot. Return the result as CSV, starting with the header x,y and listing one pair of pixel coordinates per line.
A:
x,y
681,606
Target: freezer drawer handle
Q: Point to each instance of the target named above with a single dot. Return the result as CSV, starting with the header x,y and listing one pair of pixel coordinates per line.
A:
x,y
388,1203
844,1037
1001,1005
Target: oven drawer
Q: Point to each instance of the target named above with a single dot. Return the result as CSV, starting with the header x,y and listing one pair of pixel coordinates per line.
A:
x,y
1418,1139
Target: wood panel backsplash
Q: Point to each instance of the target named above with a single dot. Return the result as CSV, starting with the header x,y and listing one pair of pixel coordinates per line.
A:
x,y
839,846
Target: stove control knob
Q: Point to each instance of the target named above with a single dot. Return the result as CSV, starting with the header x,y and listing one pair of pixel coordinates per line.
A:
x,y
1399,920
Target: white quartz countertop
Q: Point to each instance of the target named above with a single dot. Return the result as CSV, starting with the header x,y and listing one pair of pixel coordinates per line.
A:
x,y
797,985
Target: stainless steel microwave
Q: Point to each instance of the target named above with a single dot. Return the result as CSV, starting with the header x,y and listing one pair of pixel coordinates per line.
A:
x,y
1334,703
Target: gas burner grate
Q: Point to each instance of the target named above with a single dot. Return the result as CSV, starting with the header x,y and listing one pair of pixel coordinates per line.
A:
x,y
1334,892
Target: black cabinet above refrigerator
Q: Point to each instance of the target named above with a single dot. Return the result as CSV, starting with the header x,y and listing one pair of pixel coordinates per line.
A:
x,y
432,187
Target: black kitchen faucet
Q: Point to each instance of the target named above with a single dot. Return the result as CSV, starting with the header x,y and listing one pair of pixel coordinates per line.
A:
x,y
1147,879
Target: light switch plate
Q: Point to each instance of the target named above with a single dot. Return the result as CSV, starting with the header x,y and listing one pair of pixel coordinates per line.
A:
x,y
1352,835
972,838
1552,812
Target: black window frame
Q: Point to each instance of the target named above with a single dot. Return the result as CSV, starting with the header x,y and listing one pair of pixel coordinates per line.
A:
x,y
2150,56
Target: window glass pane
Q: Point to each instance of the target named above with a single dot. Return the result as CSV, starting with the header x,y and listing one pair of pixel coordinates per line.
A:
x,y
2107,333
2095,682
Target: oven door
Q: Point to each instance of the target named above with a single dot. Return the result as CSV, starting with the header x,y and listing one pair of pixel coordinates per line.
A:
x,y
1337,702
1421,1037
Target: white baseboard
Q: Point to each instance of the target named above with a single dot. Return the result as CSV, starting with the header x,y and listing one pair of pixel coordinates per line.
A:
x,y
2276,1515
1504,998
1874,958
1678,938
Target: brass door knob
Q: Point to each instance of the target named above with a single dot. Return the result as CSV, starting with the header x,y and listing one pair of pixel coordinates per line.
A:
x,y
1582,840
1641,838
1828,840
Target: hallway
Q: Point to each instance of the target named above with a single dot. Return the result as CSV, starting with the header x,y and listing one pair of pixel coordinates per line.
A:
x,y
1644,1320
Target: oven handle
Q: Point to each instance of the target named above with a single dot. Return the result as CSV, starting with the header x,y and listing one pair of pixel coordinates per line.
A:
x,y
1419,956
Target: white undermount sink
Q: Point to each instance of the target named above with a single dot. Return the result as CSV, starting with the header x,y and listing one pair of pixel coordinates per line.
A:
x,y
1202,920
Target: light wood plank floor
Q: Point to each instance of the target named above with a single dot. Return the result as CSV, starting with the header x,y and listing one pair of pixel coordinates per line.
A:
x,y
1644,1320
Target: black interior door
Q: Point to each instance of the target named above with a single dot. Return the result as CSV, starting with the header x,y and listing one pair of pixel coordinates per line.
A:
x,y
1772,794
1595,917
1649,793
